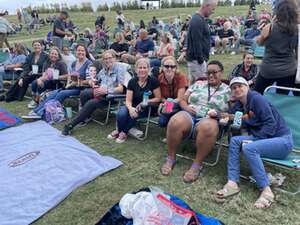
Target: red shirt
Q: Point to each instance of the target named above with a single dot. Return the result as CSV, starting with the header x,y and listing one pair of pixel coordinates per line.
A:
x,y
171,90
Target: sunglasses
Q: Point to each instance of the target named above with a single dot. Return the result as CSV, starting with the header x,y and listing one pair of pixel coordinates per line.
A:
x,y
212,72
170,66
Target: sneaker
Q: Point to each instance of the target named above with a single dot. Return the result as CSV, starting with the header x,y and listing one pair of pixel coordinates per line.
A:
x,y
85,122
67,129
233,53
121,138
32,115
32,104
113,135
136,132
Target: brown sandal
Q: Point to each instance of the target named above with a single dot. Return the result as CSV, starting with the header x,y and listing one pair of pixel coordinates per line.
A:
x,y
264,201
192,174
167,167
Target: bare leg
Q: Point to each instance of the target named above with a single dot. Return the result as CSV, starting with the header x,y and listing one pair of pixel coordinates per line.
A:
x,y
178,128
207,132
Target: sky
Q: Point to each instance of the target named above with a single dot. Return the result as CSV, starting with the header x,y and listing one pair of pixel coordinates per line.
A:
x,y
14,4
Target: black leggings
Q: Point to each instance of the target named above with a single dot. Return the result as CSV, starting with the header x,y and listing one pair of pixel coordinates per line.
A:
x,y
262,83
89,105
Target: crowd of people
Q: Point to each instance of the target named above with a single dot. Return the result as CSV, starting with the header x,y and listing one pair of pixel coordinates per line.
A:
x,y
142,63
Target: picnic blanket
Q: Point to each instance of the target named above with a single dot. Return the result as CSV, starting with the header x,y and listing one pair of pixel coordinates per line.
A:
x,y
39,168
7,119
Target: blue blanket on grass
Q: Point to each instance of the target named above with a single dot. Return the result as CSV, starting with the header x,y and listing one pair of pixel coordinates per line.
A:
x,y
39,168
7,119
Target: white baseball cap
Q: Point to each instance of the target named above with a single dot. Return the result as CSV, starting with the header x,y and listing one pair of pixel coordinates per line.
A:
x,y
239,80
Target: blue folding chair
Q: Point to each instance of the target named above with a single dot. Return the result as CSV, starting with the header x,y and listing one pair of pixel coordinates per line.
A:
x,y
288,106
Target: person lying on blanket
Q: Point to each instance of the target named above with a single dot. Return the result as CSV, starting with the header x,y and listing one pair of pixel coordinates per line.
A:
x,y
198,120
268,136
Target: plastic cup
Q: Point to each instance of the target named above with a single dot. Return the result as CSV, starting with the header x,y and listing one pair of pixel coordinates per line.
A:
x,y
69,112
55,74
35,69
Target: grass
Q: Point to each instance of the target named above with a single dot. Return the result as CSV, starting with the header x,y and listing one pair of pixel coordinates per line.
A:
x,y
142,161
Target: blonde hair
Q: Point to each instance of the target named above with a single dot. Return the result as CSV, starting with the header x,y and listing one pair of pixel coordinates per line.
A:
x,y
146,60
169,58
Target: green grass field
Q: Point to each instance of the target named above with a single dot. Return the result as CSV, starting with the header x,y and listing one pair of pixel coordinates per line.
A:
x,y
142,161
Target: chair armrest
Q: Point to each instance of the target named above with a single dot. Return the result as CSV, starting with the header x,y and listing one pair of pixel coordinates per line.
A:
x,y
115,96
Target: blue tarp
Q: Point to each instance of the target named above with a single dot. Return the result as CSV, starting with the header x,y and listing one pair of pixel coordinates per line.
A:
x,y
7,119
39,168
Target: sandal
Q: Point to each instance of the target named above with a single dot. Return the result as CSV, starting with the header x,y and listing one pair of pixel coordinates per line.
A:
x,y
113,135
167,167
193,173
227,192
264,201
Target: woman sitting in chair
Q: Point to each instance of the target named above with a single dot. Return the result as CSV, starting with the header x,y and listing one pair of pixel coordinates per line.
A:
x,y
268,136
138,87
110,80
172,85
75,79
200,106
34,61
54,70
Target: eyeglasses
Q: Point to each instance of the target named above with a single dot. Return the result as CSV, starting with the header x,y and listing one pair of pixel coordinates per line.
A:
x,y
170,66
213,72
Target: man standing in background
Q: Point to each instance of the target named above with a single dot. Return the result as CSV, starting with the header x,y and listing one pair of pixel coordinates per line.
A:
x,y
5,27
198,41
59,29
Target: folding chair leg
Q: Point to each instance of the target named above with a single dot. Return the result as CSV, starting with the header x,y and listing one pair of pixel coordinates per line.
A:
x,y
147,127
288,192
106,116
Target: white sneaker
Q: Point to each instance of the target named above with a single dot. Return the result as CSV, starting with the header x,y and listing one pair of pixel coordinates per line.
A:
x,y
233,53
32,104
136,132
32,115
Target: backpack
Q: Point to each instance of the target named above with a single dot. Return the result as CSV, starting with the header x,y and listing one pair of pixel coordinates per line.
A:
x,y
54,112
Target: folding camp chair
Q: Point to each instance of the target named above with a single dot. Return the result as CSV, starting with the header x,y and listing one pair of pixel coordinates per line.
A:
x,y
288,106
259,52
221,141
115,100
4,56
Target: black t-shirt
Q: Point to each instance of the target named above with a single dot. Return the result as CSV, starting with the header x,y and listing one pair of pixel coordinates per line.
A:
x,y
138,92
225,34
119,47
58,23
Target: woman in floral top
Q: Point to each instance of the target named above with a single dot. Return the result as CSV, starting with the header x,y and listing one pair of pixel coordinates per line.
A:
x,y
201,106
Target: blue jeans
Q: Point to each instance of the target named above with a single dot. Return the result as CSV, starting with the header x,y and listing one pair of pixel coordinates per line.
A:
x,y
59,95
48,84
125,122
155,62
248,42
164,119
275,148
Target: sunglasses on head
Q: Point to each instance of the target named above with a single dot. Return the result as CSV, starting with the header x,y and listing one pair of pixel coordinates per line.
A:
x,y
213,72
170,66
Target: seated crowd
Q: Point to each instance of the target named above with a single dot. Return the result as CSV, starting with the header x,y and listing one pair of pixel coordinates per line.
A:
x,y
196,106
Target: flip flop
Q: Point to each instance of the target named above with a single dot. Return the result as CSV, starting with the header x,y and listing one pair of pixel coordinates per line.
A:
x,y
167,167
227,192
264,201
192,174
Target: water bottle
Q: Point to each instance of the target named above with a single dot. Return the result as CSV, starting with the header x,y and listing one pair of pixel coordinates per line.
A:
x,y
237,121
146,98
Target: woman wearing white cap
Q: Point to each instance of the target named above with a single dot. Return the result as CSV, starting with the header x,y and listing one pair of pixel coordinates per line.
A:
x,y
268,136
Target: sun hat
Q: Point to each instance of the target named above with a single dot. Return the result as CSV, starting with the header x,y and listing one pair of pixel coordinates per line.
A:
x,y
239,80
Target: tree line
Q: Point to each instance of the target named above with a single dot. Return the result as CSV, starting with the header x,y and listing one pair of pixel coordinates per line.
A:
x,y
129,5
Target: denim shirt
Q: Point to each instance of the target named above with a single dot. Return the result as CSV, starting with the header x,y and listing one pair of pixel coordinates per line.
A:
x,y
113,79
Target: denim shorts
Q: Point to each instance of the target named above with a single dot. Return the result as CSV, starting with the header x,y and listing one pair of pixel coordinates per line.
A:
x,y
195,120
